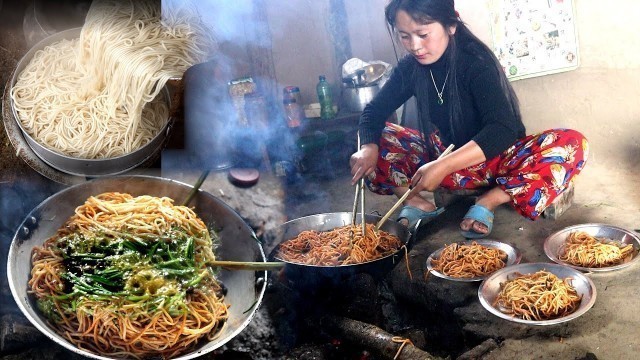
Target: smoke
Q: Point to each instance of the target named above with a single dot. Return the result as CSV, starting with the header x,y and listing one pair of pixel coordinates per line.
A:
x,y
216,135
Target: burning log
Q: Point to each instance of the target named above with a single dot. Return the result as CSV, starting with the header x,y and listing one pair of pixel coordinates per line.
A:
x,y
373,338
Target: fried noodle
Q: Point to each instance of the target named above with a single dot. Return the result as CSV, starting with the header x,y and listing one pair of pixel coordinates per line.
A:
x,y
538,296
343,245
582,249
128,277
469,260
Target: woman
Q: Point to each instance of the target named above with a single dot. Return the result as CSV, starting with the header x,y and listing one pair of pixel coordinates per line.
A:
x,y
463,98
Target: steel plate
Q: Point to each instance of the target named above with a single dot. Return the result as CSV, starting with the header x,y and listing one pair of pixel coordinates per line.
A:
x,y
554,242
490,288
513,257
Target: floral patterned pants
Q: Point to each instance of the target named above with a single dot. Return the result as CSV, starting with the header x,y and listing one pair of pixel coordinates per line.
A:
x,y
533,171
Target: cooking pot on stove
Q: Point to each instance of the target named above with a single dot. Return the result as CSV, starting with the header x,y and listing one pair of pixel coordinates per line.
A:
x,y
359,88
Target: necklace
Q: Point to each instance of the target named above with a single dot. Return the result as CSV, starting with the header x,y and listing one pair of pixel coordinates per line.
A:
x,y
439,92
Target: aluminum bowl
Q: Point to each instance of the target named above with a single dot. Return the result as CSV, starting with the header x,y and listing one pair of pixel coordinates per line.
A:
x,y
490,288
80,166
237,243
513,257
554,242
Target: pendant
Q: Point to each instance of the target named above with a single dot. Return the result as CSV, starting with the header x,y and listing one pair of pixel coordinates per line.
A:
x,y
440,101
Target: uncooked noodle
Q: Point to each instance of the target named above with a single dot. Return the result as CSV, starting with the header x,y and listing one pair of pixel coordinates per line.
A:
x,y
98,96
582,249
128,277
343,245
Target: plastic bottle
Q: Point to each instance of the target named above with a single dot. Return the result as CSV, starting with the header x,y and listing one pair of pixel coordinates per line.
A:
x,y
324,97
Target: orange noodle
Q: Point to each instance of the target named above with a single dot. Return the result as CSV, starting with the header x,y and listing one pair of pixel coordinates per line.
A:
x,y
584,250
538,296
469,261
128,277
343,245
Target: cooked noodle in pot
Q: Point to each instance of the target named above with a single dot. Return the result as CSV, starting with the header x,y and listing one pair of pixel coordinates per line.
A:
x,y
343,245
97,96
128,277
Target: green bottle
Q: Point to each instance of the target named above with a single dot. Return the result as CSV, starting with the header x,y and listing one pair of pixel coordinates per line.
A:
x,y
324,97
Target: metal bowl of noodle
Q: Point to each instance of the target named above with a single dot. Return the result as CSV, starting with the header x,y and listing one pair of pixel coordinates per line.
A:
x,y
237,242
84,166
555,243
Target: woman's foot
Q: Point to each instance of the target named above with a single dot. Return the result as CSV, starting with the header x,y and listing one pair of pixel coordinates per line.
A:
x,y
490,200
417,202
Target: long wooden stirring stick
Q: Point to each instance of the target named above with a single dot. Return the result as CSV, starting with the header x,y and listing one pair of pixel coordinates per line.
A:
x,y
404,197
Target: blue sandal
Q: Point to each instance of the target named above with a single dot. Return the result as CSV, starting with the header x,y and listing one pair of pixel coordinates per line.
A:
x,y
413,215
482,215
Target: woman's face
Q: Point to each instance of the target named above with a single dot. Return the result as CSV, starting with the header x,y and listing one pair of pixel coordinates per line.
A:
x,y
426,42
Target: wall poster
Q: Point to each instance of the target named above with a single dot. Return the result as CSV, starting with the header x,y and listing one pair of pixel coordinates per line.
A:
x,y
534,37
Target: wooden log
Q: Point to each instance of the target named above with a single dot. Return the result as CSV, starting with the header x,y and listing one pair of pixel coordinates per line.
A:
x,y
373,339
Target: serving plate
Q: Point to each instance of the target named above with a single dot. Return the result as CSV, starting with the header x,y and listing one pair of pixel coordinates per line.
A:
x,y
513,257
491,286
554,242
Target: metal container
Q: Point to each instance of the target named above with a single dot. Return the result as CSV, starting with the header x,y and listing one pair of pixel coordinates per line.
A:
x,y
311,275
237,243
491,286
80,166
355,98
359,88
554,243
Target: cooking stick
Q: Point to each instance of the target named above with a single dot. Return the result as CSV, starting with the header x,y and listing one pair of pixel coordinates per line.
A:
x,y
196,186
248,265
404,197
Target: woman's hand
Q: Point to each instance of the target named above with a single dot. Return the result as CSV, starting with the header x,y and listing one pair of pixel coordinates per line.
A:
x,y
429,176
363,162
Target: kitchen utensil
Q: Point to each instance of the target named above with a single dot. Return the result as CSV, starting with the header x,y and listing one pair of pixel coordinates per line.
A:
x,y
237,242
554,242
513,257
87,167
490,288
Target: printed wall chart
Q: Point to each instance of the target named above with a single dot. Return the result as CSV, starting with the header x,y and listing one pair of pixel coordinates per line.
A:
x,y
534,37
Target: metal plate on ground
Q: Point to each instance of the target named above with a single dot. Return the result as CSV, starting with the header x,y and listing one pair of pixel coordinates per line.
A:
x,y
491,286
553,244
513,257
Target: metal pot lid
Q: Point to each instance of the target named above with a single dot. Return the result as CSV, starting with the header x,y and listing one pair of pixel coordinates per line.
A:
x,y
365,76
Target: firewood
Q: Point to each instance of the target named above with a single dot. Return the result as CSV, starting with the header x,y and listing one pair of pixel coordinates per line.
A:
x,y
373,339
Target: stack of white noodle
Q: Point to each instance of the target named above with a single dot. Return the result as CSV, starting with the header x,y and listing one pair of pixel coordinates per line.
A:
x,y
86,98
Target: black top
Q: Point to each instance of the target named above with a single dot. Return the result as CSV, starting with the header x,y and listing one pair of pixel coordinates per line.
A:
x,y
487,115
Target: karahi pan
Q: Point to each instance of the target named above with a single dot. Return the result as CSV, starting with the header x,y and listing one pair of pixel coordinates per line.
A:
x,y
237,242
329,221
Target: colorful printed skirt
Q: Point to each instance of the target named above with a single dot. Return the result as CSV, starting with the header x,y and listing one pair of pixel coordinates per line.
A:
x,y
534,170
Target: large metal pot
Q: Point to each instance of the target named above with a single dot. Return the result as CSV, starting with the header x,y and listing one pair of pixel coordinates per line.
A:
x,y
312,274
237,243
79,166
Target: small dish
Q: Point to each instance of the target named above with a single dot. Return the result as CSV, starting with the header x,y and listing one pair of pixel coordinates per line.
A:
x,y
491,286
554,242
513,257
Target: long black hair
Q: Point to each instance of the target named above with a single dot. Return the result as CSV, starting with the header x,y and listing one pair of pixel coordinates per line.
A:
x,y
443,12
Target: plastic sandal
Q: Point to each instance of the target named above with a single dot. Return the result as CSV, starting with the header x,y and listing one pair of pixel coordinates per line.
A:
x,y
413,215
482,215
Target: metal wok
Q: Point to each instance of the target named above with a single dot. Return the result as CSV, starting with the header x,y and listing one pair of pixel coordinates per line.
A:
x,y
237,242
327,221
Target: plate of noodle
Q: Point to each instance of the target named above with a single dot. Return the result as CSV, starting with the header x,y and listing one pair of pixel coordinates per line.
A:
x,y
117,268
593,247
472,260
537,293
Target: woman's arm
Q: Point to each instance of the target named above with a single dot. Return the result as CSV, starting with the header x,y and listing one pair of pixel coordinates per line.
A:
x,y
429,176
